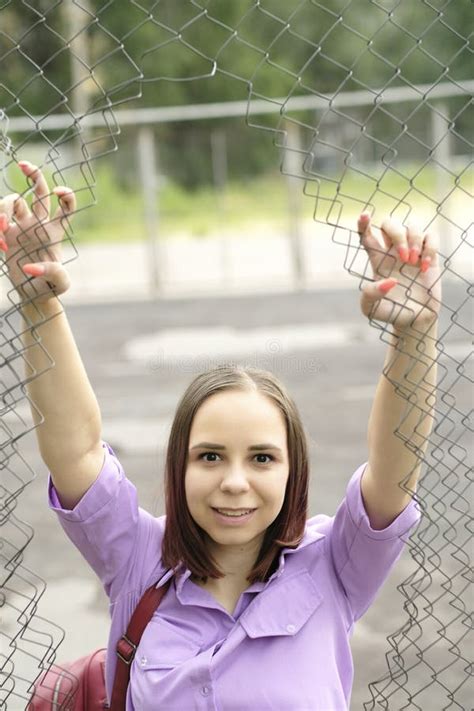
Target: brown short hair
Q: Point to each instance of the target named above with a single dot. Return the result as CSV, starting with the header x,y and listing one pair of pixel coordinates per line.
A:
x,y
184,541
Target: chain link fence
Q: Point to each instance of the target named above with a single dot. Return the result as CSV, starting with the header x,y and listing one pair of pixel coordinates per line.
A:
x,y
65,69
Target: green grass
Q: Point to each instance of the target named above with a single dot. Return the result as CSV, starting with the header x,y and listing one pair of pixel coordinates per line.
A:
x,y
119,214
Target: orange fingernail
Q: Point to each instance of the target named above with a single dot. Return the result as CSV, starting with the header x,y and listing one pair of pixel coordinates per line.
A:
x,y
34,269
3,223
3,245
414,254
404,253
425,264
387,285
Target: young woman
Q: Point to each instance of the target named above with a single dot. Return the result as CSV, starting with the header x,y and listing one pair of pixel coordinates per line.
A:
x,y
263,599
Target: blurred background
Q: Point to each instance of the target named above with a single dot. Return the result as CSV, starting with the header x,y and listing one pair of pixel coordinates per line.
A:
x,y
360,105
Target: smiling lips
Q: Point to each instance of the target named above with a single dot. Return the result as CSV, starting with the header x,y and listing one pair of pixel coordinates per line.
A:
x,y
234,512
231,511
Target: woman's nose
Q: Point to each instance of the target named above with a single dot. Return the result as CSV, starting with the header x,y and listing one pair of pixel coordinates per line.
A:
x,y
235,478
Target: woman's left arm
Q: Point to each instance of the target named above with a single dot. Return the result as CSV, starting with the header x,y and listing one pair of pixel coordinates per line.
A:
x,y
406,292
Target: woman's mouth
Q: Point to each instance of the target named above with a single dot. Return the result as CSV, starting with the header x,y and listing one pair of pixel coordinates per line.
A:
x,y
233,517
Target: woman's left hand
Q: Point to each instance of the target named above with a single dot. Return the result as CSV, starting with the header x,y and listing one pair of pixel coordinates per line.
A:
x,y
405,264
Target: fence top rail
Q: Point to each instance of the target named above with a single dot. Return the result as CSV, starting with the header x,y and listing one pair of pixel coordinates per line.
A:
x,y
194,112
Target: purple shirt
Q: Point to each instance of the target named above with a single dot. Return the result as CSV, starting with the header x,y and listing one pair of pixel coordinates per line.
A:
x,y
285,647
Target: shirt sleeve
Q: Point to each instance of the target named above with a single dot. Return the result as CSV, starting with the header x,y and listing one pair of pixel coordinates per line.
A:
x,y
107,525
362,556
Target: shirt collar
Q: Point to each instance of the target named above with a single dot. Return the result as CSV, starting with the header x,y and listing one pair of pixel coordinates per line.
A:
x,y
310,536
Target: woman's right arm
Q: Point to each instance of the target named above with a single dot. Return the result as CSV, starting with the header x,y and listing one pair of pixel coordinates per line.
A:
x,y
63,404
69,437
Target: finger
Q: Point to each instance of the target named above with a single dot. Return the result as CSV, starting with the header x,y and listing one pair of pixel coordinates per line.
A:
x,y
375,292
67,202
47,277
429,253
21,211
12,206
3,226
41,202
366,232
396,234
415,242
3,222
6,210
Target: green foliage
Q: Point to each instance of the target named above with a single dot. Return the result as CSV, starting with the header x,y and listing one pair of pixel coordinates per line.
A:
x,y
270,48
165,53
252,206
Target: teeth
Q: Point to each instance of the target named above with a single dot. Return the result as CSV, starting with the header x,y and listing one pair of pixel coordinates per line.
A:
x,y
235,515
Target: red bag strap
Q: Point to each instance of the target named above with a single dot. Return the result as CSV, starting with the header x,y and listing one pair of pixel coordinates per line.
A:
x,y
128,643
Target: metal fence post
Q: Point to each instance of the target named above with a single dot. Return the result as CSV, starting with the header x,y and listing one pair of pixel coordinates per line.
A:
x,y
146,150
77,20
442,155
292,160
219,172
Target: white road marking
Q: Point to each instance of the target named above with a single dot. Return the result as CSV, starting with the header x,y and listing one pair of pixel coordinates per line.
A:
x,y
188,344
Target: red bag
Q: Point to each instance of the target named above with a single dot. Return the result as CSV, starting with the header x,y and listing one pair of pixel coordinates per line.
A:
x,y
76,685
80,685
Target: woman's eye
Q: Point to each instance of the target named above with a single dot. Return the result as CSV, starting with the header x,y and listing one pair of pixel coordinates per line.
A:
x,y
269,456
214,454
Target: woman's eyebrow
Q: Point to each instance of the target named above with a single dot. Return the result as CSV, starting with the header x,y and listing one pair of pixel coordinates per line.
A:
x,y
254,447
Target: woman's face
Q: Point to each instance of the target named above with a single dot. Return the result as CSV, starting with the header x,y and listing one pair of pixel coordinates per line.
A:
x,y
231,475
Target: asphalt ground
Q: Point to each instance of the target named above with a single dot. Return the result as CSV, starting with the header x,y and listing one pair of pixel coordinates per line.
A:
x,y
140,358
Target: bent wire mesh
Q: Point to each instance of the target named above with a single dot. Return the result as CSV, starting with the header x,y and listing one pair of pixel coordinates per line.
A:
x,y
369,106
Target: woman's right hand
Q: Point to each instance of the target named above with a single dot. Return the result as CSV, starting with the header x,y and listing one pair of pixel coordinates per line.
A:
x,y
32,240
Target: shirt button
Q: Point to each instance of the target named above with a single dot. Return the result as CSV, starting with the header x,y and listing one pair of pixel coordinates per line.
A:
x,y
290,628
205,691
143,661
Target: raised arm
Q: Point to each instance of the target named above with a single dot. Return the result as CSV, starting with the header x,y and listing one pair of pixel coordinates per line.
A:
x,y
69,438
402,414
